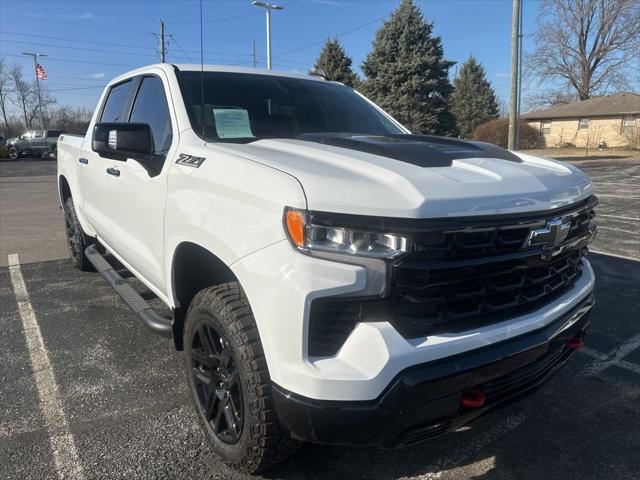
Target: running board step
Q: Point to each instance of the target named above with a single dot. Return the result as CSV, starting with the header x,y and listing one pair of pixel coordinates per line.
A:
x,y
141,308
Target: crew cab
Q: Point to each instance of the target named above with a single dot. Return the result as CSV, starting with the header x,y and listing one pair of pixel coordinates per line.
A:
x,y
331,277
34,143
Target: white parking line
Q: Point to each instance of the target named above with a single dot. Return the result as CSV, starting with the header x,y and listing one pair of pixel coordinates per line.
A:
x,y
624,197
600,182
64,451
614,358
616,255
634,219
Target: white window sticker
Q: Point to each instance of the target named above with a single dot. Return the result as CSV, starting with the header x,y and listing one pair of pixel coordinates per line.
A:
x,y
232,123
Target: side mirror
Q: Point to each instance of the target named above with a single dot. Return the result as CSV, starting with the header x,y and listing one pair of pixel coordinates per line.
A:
x,y
122,140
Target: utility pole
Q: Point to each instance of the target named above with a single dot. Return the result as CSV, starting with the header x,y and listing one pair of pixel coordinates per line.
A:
x,y
268,7
35,68
162,46
515,79
520,35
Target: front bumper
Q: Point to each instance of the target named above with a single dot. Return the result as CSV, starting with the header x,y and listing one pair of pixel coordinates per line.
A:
x,y
424,401
281,285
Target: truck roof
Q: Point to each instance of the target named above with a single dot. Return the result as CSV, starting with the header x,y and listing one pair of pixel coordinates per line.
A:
x,y
195,67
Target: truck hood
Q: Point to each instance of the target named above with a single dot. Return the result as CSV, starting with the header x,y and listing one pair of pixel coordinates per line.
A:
x,y
344,180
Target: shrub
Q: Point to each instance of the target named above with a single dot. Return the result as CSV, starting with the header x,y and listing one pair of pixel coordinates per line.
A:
x,y
497,131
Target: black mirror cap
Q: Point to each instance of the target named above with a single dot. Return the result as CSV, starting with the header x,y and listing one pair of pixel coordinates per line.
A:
x,y
122,140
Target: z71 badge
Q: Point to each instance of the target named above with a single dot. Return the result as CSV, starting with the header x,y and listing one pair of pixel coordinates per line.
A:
x,y
190,160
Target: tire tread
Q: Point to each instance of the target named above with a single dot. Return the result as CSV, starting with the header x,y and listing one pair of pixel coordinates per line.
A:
x,y
268,445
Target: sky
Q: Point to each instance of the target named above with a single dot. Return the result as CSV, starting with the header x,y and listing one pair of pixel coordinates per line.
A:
x,y
89,42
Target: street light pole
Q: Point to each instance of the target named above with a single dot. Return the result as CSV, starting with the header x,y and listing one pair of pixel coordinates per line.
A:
x,y
35,67
268,7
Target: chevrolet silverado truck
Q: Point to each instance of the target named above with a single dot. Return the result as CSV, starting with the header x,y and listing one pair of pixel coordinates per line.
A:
x,y
41,143
331,277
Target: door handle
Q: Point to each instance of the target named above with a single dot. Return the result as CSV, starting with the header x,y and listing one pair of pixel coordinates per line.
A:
x,y
113,171
83,161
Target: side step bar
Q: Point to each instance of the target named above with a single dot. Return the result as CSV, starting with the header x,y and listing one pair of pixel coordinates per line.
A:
x,y
141,308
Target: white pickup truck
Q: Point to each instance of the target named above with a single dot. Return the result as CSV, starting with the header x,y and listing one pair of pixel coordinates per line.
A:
x,y
332,278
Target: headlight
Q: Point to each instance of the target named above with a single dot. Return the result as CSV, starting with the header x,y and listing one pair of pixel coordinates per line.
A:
x,y
308,237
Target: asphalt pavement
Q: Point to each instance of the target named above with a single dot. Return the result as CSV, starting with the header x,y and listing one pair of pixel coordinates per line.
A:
x,y
108,399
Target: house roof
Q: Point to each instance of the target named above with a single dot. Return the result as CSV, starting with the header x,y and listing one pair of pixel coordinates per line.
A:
x,y
616,104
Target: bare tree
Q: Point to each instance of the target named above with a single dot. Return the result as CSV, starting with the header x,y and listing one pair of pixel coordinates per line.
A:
x,y
26,96
587,45
47,101
70,119
550,98
23,92
5,92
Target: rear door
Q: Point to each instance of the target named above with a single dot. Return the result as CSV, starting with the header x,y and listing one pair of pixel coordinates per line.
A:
x,y
93,167
51,140
137,194
37,144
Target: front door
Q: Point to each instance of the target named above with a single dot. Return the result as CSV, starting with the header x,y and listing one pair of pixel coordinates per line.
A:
x,y
93,167
138,188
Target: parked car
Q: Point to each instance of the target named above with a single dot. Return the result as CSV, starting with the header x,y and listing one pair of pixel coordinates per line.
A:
x,y
332,278
37,143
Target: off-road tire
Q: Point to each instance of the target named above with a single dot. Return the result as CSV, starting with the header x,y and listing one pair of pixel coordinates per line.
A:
x,y
261,443
77,241
14,154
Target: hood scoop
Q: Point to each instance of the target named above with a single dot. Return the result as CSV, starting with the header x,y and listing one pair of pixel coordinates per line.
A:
x,y
419,150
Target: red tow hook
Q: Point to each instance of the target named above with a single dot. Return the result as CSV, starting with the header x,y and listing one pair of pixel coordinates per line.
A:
x,y
473,398
575,343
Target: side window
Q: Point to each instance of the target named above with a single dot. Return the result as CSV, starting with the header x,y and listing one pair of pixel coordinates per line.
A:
x,y
114,108
151,107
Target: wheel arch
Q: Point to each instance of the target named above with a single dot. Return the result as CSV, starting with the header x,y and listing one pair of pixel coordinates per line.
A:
x,y
64,190
193,268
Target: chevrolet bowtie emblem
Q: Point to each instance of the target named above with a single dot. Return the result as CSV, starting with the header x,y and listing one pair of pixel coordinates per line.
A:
x,y
551,235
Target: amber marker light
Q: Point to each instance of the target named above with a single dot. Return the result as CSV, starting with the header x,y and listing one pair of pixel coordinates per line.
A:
x,y
295,227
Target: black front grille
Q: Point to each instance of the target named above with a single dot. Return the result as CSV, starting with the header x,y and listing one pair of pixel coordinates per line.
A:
x,y
500,237
436,300
462,277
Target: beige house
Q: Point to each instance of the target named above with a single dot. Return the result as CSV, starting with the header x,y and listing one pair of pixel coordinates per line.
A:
x,y
612,119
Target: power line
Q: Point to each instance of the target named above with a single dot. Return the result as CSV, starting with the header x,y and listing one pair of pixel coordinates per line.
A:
x,y
68,47
181,49
342,34
74,89
67,60
123,45
111,44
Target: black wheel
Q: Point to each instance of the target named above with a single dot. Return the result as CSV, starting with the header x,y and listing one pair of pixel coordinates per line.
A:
x,y
229,381
76,238
13,153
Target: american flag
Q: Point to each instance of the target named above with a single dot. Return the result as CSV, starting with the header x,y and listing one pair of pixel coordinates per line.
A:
x,y
40,72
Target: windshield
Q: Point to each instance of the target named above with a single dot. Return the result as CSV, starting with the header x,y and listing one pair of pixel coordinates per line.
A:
x,y
241,107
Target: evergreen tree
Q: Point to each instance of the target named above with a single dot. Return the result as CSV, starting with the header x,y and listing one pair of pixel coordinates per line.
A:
x,y
473,101
407,73
336,64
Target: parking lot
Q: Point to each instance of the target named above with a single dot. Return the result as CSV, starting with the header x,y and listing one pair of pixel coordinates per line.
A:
x,y
117,406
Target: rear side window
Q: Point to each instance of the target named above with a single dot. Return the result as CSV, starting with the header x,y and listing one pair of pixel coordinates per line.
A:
x,y
114,108
151,107
53,133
